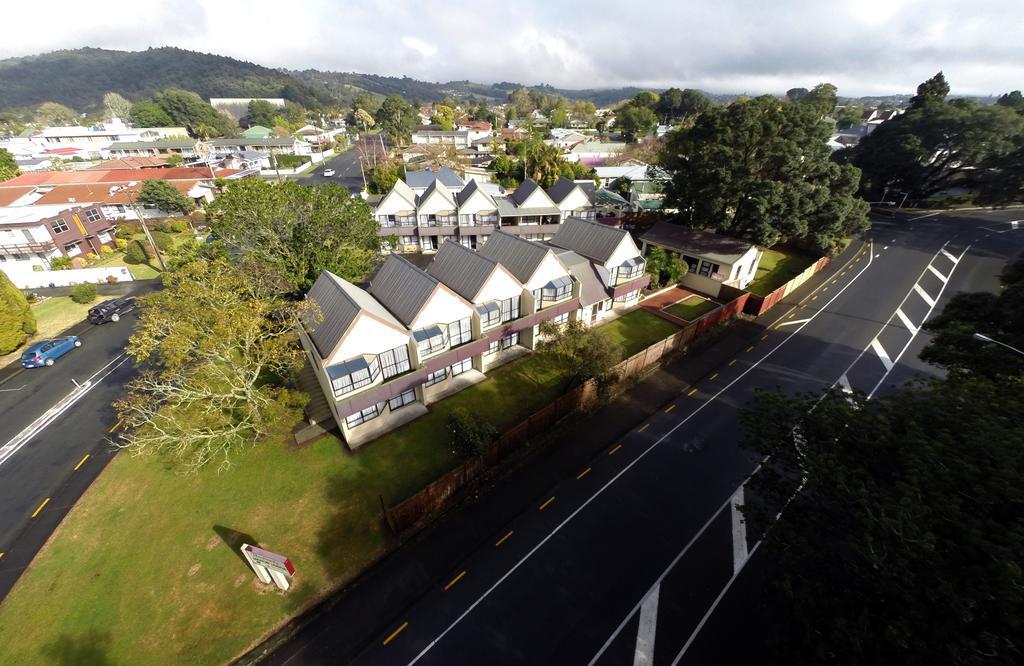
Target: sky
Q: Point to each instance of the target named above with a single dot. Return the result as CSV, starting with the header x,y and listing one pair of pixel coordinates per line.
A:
x,y
865,47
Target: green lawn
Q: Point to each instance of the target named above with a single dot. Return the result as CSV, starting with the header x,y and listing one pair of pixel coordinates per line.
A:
x,y
691,307
53,315
778,267
638,330
139,572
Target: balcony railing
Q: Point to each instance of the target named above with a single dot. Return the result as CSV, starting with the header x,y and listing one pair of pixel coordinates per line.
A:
x,y
34,246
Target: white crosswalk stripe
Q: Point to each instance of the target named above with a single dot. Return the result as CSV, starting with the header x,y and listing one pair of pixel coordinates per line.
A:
x,y
739,532
924,294
949,256
906,321
645,633
937,274
882,354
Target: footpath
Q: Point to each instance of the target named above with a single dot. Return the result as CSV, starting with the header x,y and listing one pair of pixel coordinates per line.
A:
x,y
356,615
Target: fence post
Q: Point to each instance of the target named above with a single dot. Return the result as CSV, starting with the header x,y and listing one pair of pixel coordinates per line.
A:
x,y
387,515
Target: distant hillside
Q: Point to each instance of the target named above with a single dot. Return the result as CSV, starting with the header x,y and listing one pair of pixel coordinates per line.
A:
x,y
79,78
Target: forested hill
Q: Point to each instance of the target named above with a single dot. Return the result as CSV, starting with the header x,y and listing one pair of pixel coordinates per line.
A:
x,y
79,78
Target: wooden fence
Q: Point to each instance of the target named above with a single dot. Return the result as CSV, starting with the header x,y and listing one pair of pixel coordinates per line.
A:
x,y
444,492
758,305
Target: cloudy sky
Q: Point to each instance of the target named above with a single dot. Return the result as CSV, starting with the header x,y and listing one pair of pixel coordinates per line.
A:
x,y
863,46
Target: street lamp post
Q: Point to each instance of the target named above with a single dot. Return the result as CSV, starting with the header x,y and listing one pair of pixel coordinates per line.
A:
x,y
985,338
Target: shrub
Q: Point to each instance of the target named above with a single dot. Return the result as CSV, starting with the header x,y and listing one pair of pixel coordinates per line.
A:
x,y
16,319
171,226
471,435
135,253
91,257
106,249
121,243
290,161
37,268
60,263
163,241
83,293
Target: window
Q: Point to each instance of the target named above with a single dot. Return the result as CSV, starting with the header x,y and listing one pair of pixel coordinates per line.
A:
x,y
430,340
394,362
627,296
536,298
691,262
509,340
461,367
352,375
558,289
707,269
402,400
359,418
560,319
490,314
59,226
631,268
460,331
492,348
93,215
436,377
510,309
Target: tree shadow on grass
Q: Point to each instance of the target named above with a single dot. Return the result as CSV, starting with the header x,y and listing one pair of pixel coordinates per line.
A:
x,y
88,649
234,539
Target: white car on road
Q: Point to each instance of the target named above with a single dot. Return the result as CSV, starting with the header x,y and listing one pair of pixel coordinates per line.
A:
x,y
328,172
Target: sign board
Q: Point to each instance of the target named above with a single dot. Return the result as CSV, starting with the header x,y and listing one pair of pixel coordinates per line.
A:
x,y
269,567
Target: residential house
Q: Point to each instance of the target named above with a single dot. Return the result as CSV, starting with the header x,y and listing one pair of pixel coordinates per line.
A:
x,y
711,259
574,198
529,212
91,142
593,153
396,214
478,214
419,181
35,235
257,132
564,139
457,138
645,185
437,216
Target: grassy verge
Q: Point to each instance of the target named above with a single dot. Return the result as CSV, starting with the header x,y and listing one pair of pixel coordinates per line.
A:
x,y
638,330
691,307
52,316
778,267
140,571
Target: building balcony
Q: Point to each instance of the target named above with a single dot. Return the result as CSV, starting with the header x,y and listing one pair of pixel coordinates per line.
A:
x,y
19,247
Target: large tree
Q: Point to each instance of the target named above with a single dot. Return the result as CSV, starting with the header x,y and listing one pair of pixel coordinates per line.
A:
x,y
676,104
212,343
148,113
635,122
1012,99
580,351
297,230
8,165
192,111
397,117
17,321
116,106
52,114
932,91
165,197
760,169
822,98
260,112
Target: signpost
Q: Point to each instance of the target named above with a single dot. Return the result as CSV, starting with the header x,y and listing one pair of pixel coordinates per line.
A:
x,y
269,567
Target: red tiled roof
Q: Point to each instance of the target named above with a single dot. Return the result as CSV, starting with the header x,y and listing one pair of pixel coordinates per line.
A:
x,y
9,195
95,176
129,163
97,193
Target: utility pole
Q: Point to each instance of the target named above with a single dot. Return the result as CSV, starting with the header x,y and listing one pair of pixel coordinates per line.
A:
x,y
142,220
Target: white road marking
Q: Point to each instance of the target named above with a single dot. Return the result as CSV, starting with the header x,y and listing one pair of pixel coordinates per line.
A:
x,y
795,321
906,321
882,354
924,294
949,256
11,390
937,274
52,414
629,466
739,532
644,653
921,217
844,383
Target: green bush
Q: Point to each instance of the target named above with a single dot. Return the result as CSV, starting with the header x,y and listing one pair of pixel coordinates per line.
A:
x,y
172,226
291,161
121,243
163,241
136,253
16,319
83,293
60,263
471,435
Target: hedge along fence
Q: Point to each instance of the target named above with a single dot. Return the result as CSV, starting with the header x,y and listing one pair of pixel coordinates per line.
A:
x,y
758,305
444,492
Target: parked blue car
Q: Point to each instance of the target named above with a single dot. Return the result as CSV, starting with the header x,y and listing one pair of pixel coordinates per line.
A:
x,y
48,351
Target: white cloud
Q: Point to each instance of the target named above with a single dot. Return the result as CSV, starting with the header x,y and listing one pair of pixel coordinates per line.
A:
x,y
863,46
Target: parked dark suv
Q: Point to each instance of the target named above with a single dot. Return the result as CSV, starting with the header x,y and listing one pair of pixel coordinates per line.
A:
x,y
111,310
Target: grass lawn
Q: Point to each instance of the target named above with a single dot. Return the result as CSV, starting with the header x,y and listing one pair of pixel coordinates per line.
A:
x,y
139,572
52,316
638,330
691,307
777,268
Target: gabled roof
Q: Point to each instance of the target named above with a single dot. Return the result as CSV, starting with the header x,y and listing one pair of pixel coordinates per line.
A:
x,y
436,186
462,269
595,241
424,178
563,187
523,192
685,240
471,188
402,288
340,304
520,256
404,191
593,289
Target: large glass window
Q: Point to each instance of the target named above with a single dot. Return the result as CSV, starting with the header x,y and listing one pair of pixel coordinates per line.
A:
x,y
490,314
92,215
402,400
707,268
509,340
436,377
394,361
430,340
560,319
359,418
460,331
510,309
461,367
632,268
492,348
558,289
353,375
630,296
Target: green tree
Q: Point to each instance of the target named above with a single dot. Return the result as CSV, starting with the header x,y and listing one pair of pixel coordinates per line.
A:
x,y
83,293
364,119
848,116
165,197
822,98
1013,99
560,114
577,171
116,106
471,435
645,100
148,113
8,165
54,114
932,91
760,169
676,104
381,178
190,110
444,116
16,319
796,94
175,160
635,122
297,230
580,351
542,162
260,112
397,117
664,267
135,253
213,343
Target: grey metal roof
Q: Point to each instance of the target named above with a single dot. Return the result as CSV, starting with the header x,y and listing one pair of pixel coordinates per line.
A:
x,y
471,188
591,239
520,256
405,192
592,287
268,142
425,177
523,192
562,188
402,288
436,186
340,303
159,144
695,242
461,269
508,208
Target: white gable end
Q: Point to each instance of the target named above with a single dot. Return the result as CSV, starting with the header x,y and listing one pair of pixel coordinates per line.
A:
x,y
393,203
548,270
575,200
435,203
368,336
498,287
627,249
442,308
538,199
476,203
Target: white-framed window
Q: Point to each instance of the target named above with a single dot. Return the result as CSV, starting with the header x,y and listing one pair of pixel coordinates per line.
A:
x,y
402,400
510,340
510,309
461,367
460,331
558,289
394,361
93,215
59,226
560,319
353,375
435,377
490,314
708,268
361,417
73,249
493,348
632,268
429,340
628,296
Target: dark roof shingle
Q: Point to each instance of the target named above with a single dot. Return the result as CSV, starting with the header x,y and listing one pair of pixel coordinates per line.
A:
x,y
402,288
461,269
594,241
520,256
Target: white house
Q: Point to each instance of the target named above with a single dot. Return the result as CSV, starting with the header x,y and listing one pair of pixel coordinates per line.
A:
x,y
574,198
712,260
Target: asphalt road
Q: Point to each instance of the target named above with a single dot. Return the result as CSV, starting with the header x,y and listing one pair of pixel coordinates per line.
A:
x,y
629,558
347,173
55,439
